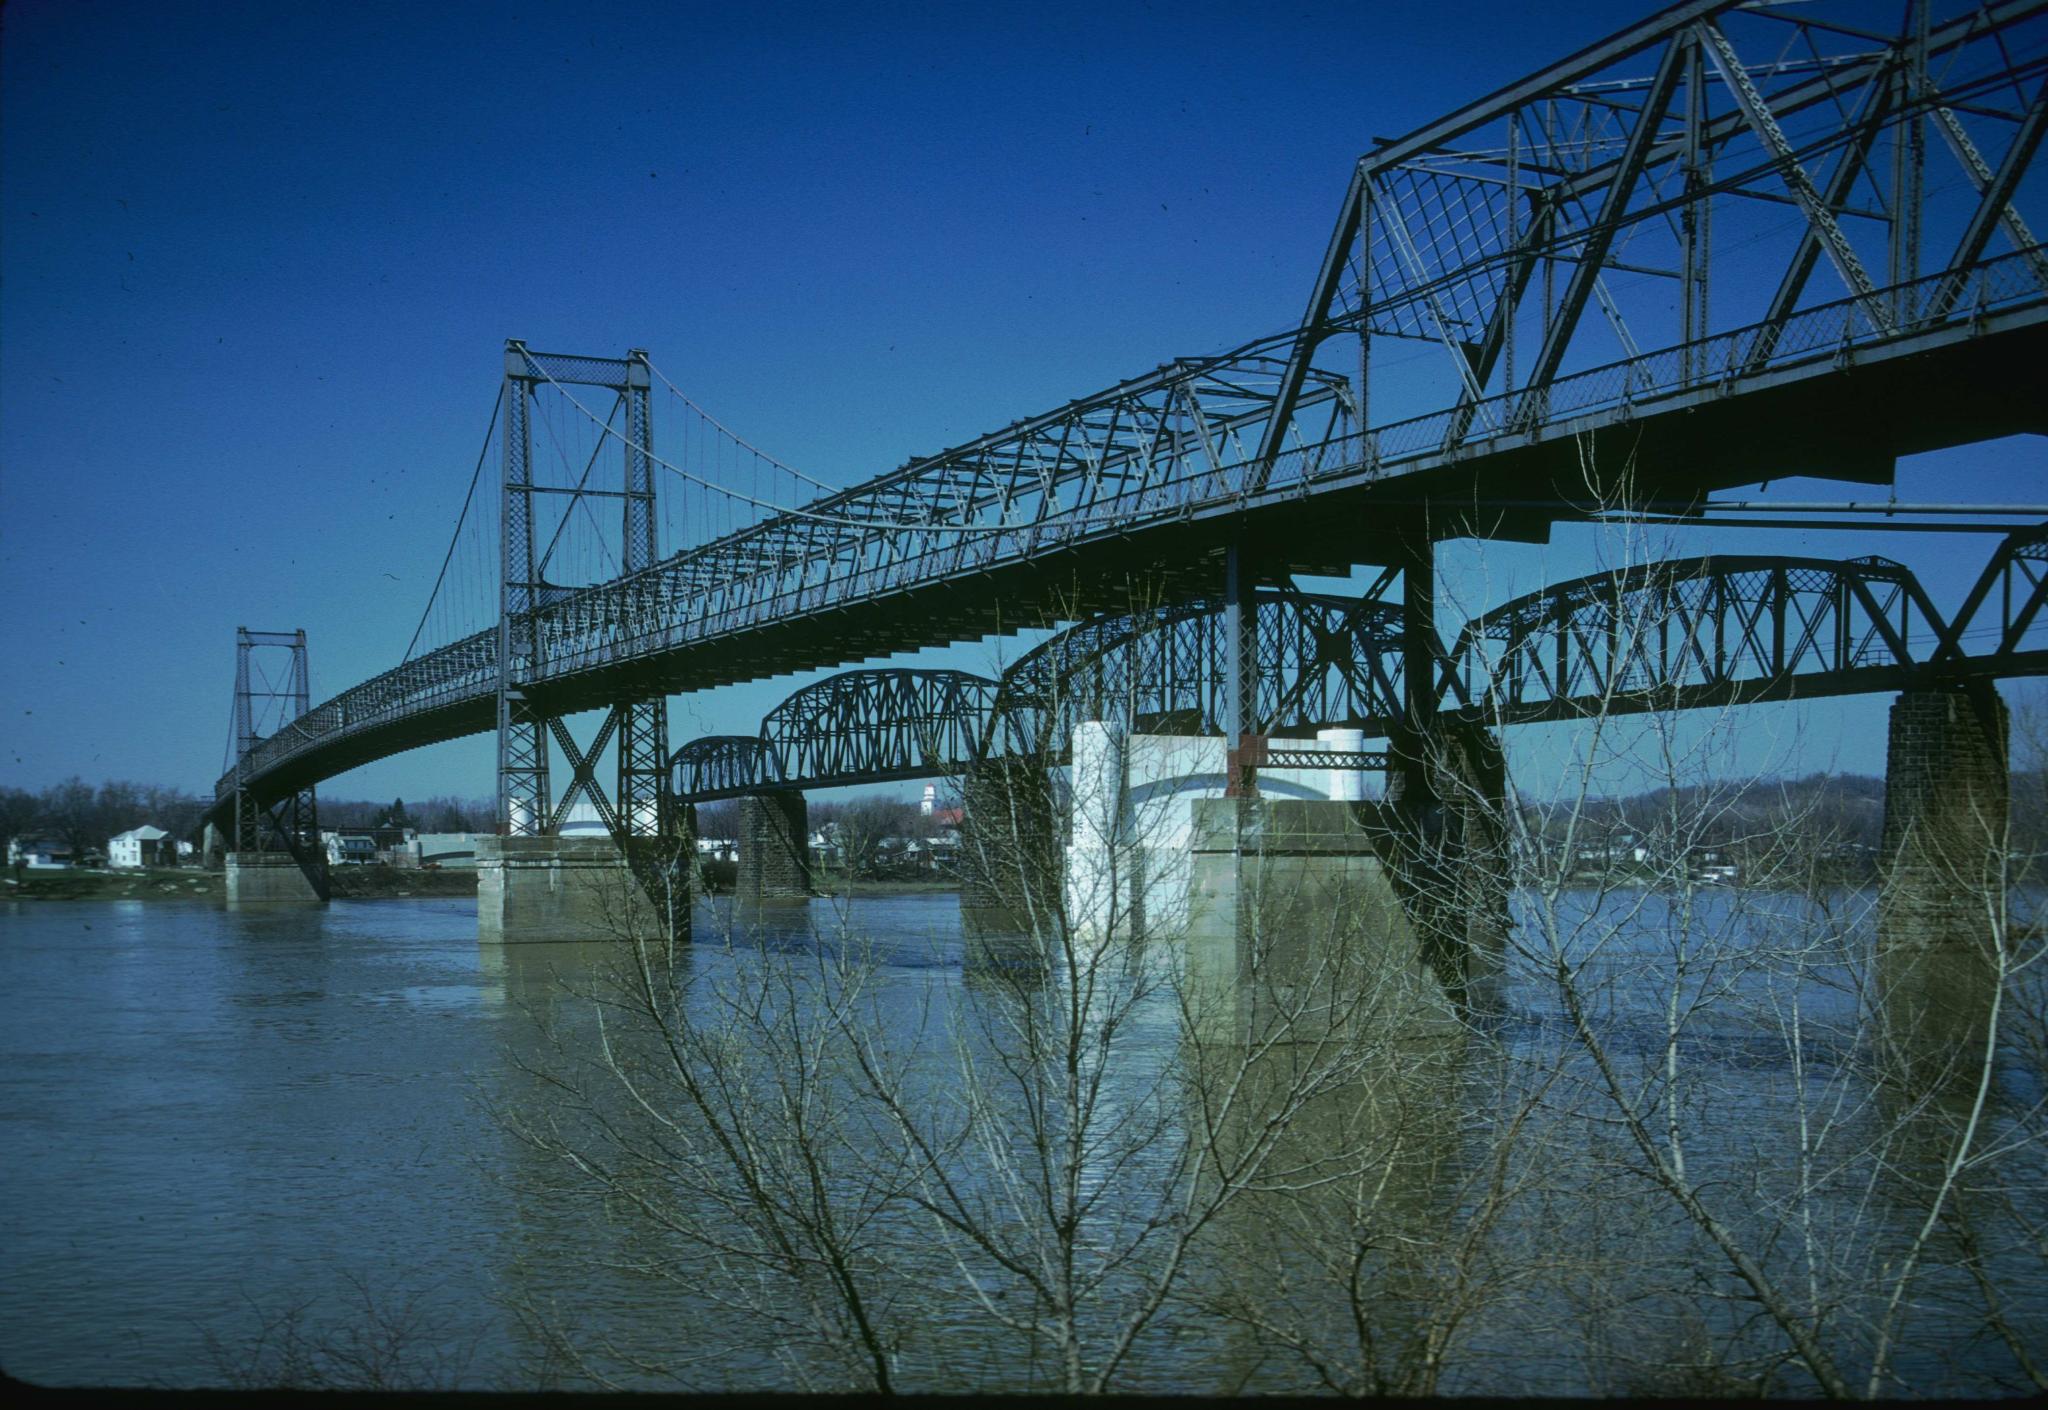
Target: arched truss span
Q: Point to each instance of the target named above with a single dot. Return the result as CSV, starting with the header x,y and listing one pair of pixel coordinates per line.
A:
x,y
723,766
1669,635
1699,632
1322,661
874,725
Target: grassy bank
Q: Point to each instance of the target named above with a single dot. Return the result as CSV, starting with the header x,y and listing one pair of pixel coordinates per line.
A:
x,y
99,884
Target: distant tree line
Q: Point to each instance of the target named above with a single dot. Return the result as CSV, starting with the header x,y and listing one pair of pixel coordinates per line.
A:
x,y
83,816
1755,819
441,813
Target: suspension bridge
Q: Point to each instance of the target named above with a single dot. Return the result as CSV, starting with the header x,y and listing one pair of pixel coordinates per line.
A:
x,y
1730,243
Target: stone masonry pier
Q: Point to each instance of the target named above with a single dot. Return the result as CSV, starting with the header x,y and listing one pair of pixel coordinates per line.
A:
x,y
1943,874
775,847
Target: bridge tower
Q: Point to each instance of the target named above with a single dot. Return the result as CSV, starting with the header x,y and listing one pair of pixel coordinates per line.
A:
x,y
534,884
276,851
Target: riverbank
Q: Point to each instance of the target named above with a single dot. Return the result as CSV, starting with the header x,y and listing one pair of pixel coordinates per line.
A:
x,y
355,883
352,883
840,886
105,884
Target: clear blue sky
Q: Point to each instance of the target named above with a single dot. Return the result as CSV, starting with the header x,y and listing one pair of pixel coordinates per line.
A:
x,y
259,261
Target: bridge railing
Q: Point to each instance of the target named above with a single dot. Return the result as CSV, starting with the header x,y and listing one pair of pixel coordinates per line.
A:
x,y
461,671
1716,364
1186,482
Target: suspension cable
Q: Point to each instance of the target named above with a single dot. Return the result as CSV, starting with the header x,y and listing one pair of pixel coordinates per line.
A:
x,y
474,476
787,511
735,437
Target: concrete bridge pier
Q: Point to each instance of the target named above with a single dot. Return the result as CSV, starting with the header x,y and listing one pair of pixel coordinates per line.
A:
x,y
775,847
1009,849
537,890
274,879
1299,928
1943,879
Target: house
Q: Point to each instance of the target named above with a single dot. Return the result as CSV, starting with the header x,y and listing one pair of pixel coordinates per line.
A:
x,y
349,848
397,846
144,846
37,853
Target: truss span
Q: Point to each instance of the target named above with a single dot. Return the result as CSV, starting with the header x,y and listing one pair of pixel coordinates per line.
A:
x,y
1725,630
723,766
875,725
1680,634
1323,660
1737,280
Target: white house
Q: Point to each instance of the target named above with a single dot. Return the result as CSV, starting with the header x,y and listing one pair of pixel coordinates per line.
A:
x,y
144,846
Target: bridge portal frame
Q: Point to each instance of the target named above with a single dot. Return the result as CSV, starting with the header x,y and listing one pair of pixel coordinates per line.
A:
x,y
290,823
638,814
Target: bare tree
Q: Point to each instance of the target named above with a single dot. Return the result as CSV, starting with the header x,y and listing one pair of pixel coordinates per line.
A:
x,y
1303,1130
1743,1045
1049,1145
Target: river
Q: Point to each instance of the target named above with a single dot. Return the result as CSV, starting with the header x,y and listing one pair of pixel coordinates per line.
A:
x,y
238,1138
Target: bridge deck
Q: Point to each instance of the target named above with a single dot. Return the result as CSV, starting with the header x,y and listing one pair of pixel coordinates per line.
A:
x,y
1842,409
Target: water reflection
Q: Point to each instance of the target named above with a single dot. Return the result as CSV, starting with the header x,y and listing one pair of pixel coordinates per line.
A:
x,y
229,1103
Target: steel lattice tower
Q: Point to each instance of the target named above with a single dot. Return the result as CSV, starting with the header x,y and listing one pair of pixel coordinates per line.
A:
x,y
636,724
290,823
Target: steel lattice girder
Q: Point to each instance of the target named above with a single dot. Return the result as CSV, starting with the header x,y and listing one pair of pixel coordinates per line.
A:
x,y
723,766
1698,631
1323,660
1600,181
880,724
1666,635
1535,236
2018,574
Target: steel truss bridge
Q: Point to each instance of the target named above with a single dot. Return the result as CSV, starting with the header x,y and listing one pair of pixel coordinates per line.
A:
x,y
1734,241
1659,636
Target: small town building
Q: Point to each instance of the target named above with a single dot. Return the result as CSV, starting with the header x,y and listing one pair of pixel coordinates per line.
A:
x,y
145,846
455,851
38,853
349,848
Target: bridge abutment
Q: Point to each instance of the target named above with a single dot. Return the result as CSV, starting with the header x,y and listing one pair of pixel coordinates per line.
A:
x,y
540,889
775,847
1943,876
273,879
